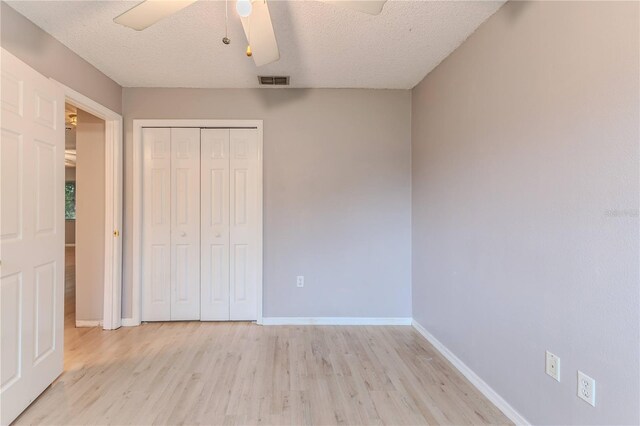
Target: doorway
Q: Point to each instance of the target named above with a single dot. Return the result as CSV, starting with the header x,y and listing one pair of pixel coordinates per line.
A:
x,y
109,230
70,114
84,218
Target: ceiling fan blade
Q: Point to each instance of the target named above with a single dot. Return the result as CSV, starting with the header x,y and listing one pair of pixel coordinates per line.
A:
x,y
259,31
372,7
149,12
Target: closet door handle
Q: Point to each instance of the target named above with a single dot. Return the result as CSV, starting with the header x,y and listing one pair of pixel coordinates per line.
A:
x,y
183,234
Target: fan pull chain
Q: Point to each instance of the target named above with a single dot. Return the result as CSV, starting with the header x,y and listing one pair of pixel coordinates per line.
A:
x,y
248,52
226,39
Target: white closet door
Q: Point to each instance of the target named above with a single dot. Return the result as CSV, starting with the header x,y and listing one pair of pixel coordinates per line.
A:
x,y
31,235
185,224
156,233
214,263
244,207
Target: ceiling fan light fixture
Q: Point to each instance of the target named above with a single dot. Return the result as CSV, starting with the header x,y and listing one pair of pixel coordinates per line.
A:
x,y
244,7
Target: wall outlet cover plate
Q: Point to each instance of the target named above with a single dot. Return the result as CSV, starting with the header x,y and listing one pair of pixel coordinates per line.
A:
x,y
552,365
586,388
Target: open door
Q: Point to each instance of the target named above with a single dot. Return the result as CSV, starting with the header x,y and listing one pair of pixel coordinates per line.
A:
x,y
31,235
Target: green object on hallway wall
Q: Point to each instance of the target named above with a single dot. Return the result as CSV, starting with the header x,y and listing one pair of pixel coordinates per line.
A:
x,y
70,200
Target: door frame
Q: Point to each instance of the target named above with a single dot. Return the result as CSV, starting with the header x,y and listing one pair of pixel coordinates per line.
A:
x,y
136,233
112,306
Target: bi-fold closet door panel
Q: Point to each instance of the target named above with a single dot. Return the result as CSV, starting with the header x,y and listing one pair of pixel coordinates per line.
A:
x,y
243,230
156,230
185,224
229,173
214,263
171,224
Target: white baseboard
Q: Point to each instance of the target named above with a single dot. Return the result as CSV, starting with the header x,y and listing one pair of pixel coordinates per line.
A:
x,y
88,323
129,322
475,380
334,321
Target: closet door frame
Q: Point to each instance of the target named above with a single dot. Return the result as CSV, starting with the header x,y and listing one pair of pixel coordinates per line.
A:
x,y
138,171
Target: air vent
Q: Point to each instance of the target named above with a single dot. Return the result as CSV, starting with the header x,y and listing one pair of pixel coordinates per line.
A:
x,y
272,80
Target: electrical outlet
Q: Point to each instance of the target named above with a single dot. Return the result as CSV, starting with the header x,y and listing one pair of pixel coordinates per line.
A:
x,y
300,281
586,388
553,366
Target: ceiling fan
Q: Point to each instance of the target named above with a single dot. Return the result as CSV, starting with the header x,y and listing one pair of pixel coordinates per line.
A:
x,y
254,14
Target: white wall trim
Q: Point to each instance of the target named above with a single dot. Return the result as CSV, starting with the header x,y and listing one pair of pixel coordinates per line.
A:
x,y
335,321
129,322
88,323
475,380
112,302
138,125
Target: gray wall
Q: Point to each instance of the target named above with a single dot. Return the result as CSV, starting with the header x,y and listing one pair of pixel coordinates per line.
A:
x,y
525,206
336,192
70,174
51,58
90,184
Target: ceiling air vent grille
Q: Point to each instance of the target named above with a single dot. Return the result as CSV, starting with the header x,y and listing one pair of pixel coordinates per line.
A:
x,y
273,80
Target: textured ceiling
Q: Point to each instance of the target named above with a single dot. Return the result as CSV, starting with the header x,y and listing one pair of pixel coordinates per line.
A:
x,y
321,45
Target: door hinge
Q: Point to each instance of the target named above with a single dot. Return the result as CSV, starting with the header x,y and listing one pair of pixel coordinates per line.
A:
x,y
116,233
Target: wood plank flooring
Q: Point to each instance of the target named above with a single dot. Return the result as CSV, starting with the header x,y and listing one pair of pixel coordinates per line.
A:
x,y
241,373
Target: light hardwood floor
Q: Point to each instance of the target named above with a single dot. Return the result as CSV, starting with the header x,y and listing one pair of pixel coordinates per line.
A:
x,y
241,373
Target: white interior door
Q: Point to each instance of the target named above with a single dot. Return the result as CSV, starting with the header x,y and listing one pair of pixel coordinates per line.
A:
x,y
214,263
113,209
156,232
32,235
244,228
185,224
